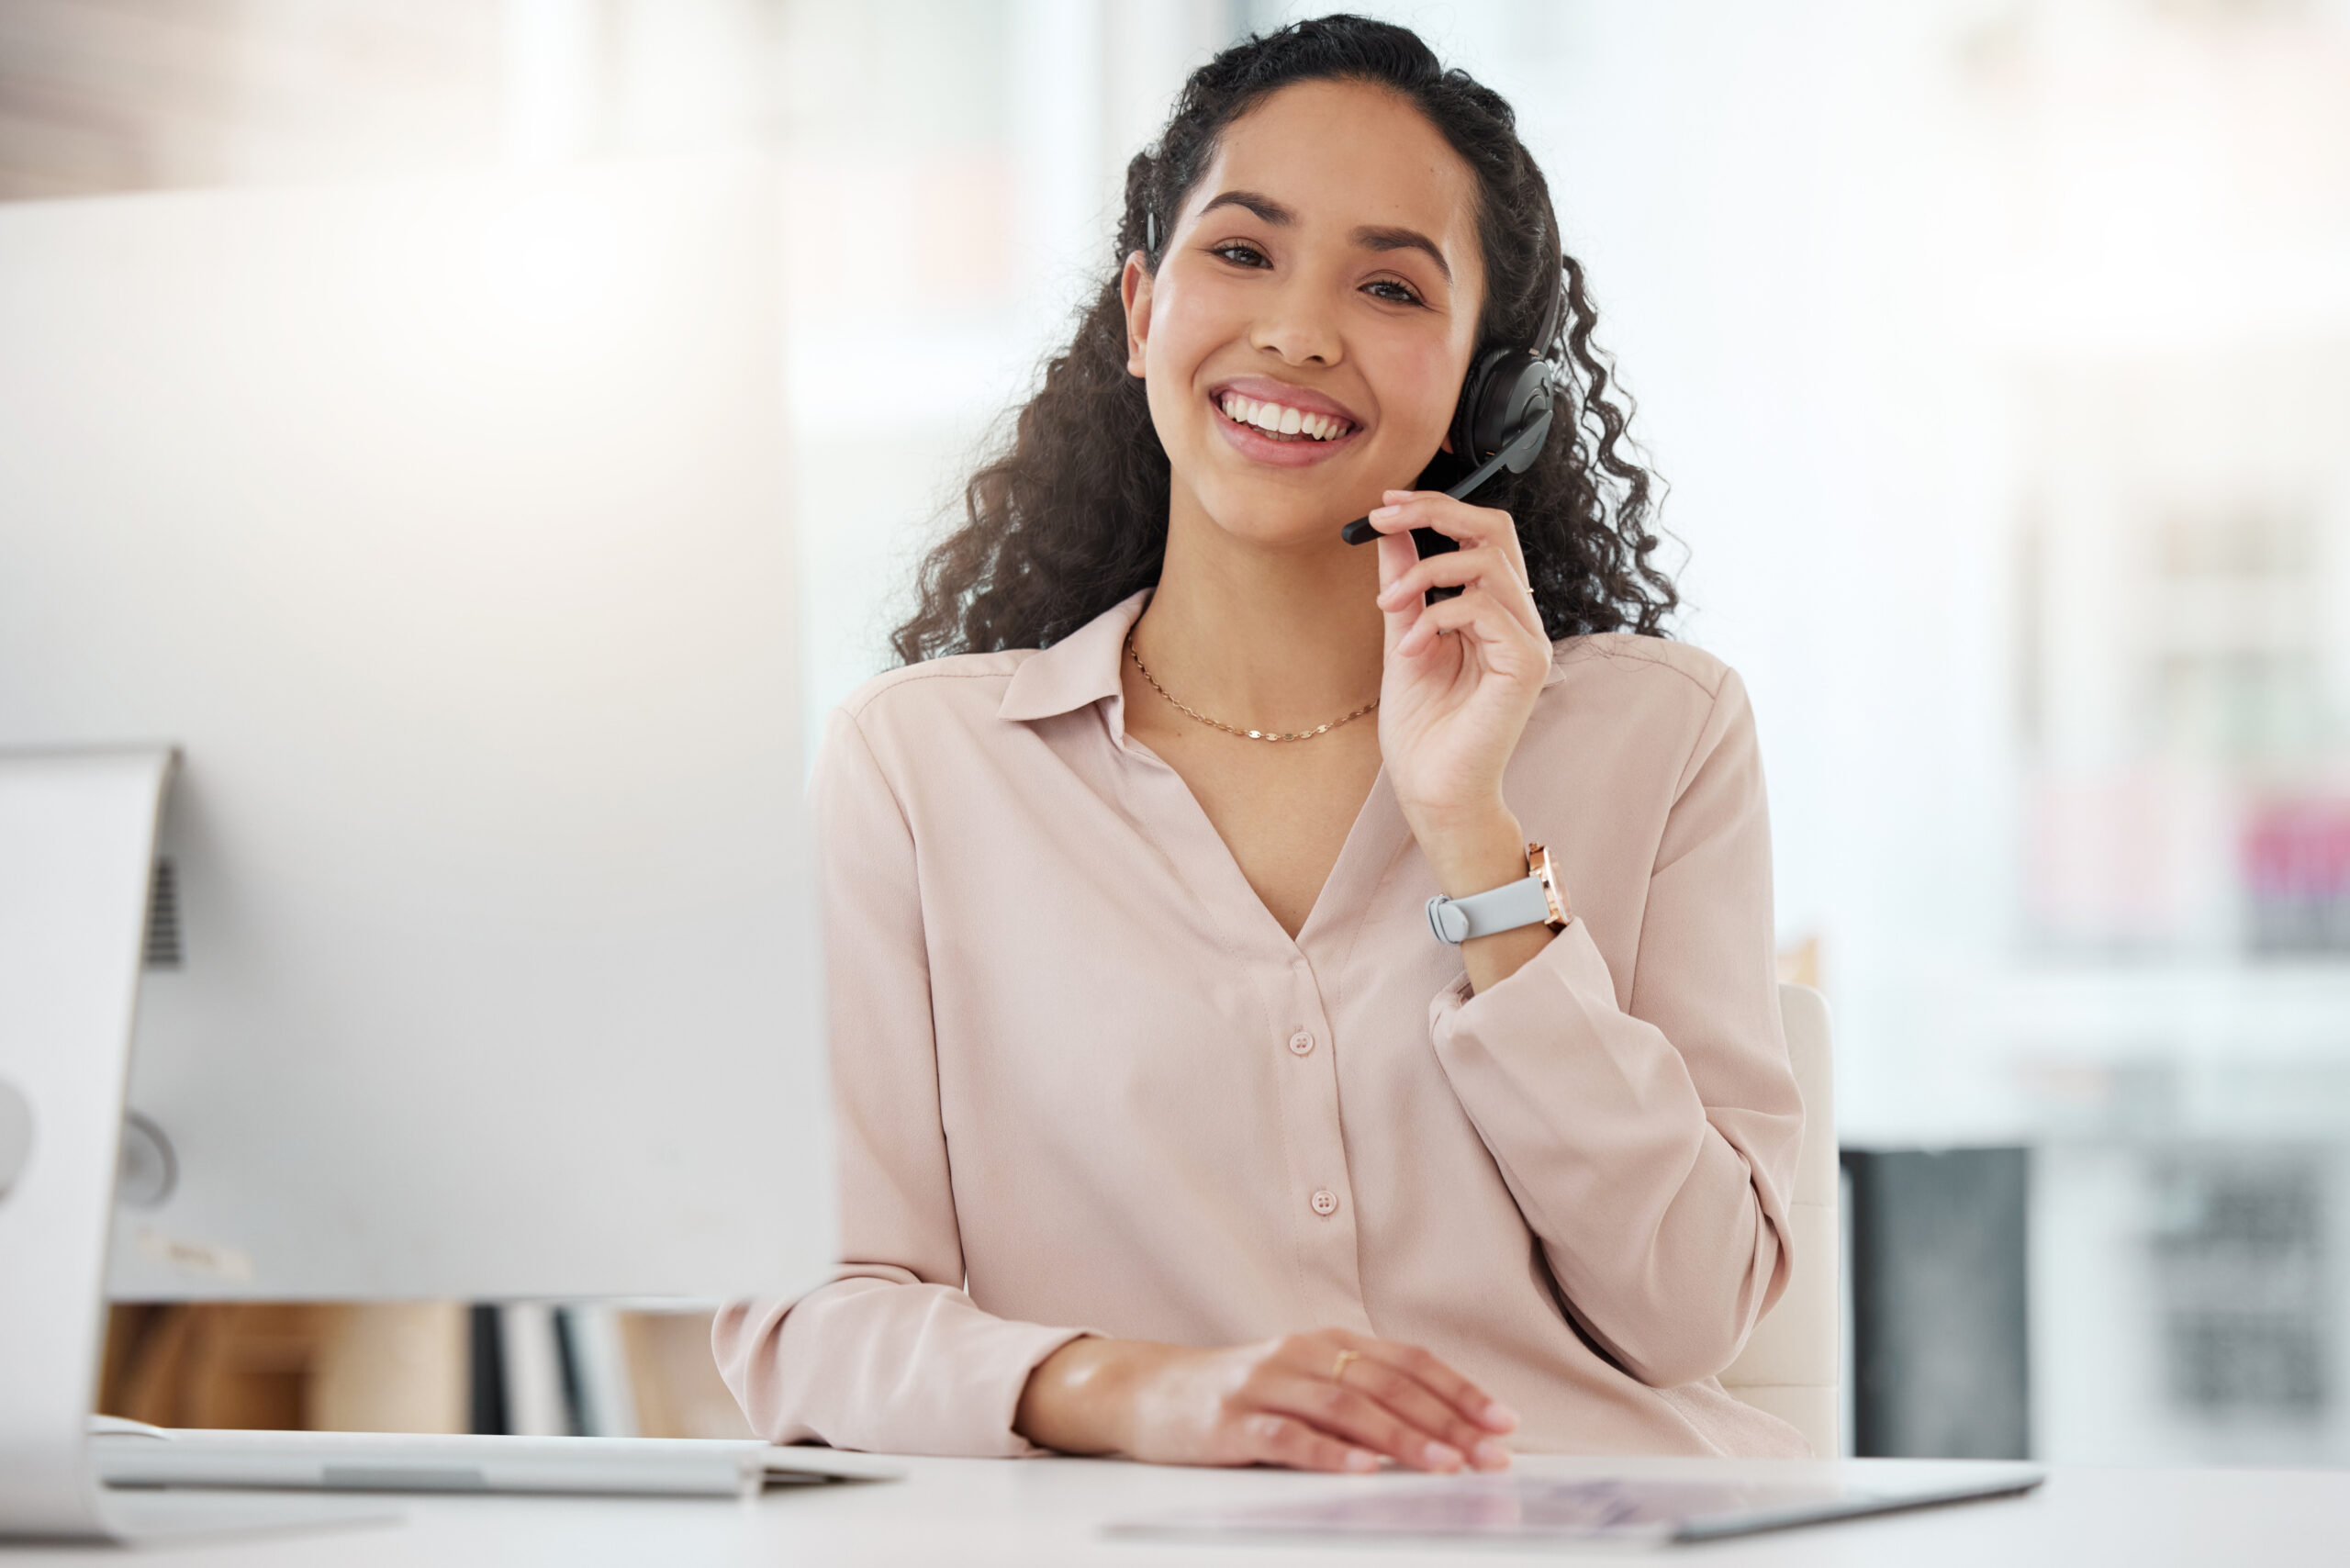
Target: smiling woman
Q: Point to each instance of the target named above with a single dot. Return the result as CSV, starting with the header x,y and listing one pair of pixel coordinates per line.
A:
x,y
1071,516
1224,1080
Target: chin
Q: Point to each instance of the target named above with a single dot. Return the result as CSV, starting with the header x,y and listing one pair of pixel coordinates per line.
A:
x,y
1277,517
1292,509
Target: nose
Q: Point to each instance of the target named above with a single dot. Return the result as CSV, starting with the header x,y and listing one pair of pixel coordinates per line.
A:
x,y
1298,324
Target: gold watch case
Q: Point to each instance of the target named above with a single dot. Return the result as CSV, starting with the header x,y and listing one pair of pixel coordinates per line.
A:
x,y
1537,866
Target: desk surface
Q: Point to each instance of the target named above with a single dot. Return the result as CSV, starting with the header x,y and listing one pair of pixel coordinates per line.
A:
x,y
1048,1511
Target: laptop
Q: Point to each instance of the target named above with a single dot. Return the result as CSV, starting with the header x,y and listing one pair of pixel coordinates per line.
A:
x,y
133,1454
1596,1510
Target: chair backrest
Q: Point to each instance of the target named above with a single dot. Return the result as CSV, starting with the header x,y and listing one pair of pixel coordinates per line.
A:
x,y
1793,1361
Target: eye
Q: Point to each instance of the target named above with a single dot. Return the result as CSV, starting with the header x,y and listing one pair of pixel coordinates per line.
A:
x,y
1241,253
1389,288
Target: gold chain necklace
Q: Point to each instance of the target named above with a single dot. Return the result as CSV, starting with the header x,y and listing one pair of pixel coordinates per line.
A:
x,y
1229,730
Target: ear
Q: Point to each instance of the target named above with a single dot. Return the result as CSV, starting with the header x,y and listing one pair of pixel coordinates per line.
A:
x,y
1134,289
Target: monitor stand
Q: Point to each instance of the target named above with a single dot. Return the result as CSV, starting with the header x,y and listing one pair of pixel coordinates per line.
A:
x,y
77,840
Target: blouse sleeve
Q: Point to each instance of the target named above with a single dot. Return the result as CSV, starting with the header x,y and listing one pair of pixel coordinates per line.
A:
x,y
891,1355
1652,1142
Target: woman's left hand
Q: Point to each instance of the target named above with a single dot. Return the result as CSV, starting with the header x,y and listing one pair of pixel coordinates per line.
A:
x,y
1460,680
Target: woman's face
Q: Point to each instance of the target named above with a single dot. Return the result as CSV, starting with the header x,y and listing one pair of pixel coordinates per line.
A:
x,y
1313,312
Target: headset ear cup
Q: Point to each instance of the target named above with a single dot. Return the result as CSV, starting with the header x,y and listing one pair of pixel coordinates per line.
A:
x,y
1505,388
1469,413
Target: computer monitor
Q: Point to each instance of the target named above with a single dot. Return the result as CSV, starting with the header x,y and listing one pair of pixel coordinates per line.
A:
x,y
439,526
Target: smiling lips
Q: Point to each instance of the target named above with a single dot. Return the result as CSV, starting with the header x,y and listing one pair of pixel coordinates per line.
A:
x,y
1282,423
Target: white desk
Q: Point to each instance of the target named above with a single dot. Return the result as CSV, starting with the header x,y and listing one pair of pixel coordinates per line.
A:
x,y
1041,1512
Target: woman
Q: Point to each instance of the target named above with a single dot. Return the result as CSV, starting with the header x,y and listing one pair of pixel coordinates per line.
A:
x,y
1168,1127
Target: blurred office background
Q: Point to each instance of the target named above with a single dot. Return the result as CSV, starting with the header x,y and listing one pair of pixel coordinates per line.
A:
x,y
1998,354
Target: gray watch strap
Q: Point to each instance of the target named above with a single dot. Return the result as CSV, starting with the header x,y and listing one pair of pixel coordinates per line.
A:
x,y
1504,908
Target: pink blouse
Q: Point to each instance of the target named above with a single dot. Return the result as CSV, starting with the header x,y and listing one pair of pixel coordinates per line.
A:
x,y
1087,1084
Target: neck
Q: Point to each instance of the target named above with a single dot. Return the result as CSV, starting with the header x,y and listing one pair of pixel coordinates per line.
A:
x,y
1271,636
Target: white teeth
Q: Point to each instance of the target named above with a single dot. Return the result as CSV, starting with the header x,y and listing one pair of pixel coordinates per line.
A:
x,y
1274,419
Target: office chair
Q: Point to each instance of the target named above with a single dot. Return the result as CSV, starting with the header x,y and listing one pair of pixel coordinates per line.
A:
x,y
1793,1363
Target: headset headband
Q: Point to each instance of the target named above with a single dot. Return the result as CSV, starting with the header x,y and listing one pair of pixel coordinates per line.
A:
x,y
1555,262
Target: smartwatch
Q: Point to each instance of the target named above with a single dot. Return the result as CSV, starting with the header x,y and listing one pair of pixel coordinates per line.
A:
x,y
1535,900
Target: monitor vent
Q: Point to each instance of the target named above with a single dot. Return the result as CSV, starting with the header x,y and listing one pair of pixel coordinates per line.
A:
x,y
163,918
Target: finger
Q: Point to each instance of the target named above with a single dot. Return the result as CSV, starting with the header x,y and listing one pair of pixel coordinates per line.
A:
x,y
1475,613
1473,617
1416,1403
1406,509
1432,1373
1397,556
1345,1412
1485,567
1274,1438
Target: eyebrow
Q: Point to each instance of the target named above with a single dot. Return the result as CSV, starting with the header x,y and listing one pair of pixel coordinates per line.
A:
x,y
1264,207
1403,240
1370,237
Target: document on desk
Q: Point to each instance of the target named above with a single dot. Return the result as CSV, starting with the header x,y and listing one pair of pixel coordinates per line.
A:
x,y
1505,1510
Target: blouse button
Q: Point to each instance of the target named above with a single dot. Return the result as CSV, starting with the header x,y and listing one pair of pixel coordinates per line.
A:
x,y
1326,1201
1301,1044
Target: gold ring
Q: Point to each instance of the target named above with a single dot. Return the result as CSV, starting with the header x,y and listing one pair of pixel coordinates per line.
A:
x,y
1339,1370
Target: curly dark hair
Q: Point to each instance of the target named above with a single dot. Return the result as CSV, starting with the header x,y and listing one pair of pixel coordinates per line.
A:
x,y
1069,516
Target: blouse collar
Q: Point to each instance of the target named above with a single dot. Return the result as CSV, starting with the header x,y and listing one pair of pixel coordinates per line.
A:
x,y
1079,670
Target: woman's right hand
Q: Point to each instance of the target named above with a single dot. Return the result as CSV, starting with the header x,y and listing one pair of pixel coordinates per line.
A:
x,y
1328,1400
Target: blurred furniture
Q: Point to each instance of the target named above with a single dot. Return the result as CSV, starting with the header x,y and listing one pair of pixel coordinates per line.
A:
x,y
1793,1363
287,1366
380,1367
1941,1368
675,1377
1799,965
